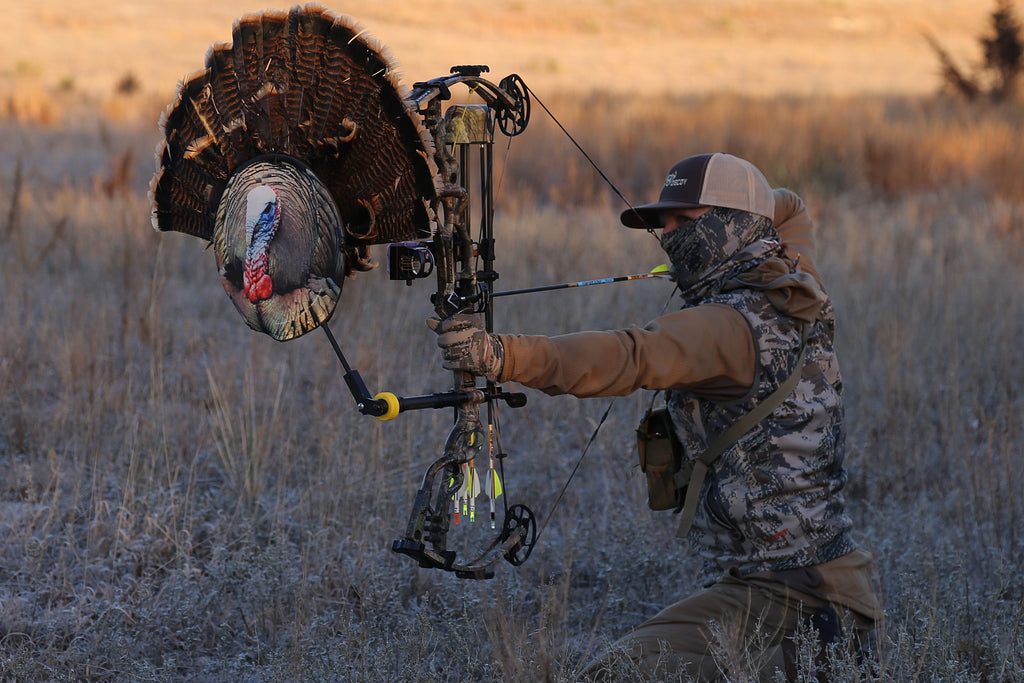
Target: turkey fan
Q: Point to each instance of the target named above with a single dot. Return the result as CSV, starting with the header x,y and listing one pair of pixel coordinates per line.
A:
x,y
292,152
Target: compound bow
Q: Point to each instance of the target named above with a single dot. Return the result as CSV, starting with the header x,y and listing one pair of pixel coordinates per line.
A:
x,y
453,255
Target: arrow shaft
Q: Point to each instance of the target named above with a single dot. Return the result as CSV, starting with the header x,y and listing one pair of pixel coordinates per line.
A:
x,y
582,283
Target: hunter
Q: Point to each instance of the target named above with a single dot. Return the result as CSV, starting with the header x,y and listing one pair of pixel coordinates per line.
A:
x,y
766,512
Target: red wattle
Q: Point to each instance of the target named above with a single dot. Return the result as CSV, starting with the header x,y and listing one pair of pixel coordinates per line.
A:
x,y
259,289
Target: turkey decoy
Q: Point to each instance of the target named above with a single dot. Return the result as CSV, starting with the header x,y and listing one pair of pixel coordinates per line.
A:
x,y
292,152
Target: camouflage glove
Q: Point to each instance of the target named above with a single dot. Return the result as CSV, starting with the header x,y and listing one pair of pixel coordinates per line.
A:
x,y
467,346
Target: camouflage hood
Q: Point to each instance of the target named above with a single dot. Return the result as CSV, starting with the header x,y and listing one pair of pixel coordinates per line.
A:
x,y
715,248
727,249
793,292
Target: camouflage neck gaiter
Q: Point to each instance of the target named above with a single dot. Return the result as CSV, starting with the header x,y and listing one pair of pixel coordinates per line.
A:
x,y
717,247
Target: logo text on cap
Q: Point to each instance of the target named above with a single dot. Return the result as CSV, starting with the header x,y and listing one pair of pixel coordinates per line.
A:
x,y
674,181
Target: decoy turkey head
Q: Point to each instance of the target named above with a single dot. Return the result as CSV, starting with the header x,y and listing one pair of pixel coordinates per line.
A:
x,y
261,220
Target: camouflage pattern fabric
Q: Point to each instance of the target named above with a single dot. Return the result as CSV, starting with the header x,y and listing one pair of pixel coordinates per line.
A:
x,y
717,246
772,500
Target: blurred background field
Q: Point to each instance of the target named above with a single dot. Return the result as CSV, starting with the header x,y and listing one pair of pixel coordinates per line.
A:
x,y
98,53
183,499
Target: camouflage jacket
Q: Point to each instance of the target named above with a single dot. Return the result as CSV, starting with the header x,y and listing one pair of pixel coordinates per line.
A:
x,y
772,500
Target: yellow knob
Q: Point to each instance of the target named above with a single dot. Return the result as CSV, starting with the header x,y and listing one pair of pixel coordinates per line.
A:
x,y
392,402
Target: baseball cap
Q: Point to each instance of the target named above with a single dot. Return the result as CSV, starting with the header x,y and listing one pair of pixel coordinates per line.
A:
x,y
707,180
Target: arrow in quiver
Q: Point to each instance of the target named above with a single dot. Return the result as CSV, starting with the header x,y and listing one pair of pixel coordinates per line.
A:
x,y
292,152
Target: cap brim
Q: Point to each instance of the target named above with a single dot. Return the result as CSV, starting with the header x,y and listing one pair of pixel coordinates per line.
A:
x,y
646,217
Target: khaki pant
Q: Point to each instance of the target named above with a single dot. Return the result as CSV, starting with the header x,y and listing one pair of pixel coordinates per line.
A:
x,y
748,623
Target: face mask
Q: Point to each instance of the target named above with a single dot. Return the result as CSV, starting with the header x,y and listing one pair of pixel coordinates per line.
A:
x,y
683,248
715,247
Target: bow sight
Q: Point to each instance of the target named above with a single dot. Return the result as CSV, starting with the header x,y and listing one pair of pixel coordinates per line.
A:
x,y
465,273
409,261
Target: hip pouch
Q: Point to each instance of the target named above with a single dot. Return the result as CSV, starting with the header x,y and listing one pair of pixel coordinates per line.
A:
x,y
673,485
661,457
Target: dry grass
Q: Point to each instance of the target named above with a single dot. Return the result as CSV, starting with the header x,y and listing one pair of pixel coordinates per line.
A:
x,y
185,500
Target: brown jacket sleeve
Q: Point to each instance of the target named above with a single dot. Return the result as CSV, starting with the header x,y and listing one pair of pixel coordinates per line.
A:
x,y
706,349
796,229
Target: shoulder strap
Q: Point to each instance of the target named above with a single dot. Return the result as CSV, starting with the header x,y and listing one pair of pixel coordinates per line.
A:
x,y
732,435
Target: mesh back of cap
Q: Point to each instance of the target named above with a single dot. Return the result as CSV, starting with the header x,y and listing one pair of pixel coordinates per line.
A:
x,y
734,183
